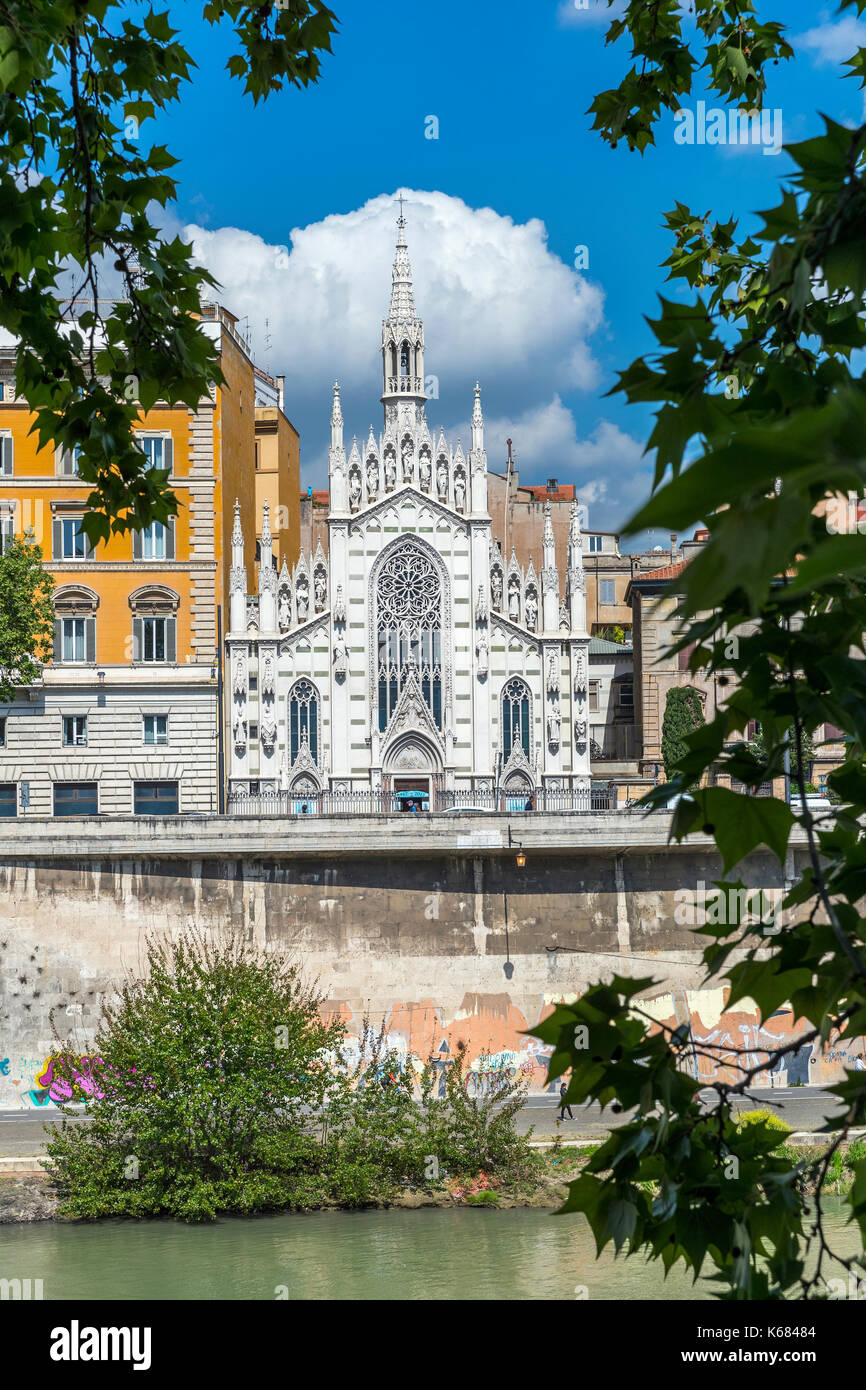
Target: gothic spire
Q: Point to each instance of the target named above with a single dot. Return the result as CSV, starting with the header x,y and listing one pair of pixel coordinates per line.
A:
x,y
402,294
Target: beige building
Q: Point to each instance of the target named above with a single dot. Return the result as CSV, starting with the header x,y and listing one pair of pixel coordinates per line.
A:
x,y
278,466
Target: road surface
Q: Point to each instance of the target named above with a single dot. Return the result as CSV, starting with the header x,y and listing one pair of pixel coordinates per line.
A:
x,y
23,1132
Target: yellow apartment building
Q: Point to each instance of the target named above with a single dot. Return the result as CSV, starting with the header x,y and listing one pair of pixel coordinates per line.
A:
x,y
126,717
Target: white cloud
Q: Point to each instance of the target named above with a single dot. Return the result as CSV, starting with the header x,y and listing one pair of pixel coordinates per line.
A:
x,y
497,304
833,43
495,301
608,467
592,13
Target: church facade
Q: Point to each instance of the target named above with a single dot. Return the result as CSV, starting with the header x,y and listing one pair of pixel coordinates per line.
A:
x,y
413,661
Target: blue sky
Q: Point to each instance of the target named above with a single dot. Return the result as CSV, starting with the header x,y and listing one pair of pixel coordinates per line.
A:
x,y
313,172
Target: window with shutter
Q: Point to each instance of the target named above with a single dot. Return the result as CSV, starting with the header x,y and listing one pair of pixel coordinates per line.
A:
x,y
171,639
90,639
6,455
7,532
169,540
136,639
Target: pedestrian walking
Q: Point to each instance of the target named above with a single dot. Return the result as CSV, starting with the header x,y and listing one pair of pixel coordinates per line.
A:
x,y
562,1103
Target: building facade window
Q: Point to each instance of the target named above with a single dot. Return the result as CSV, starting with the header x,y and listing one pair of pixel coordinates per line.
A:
x,y
607,591
595,544
594,687
74,730
8,799
155,798
154,625
75,625
7,455
515,717
304,719
624,695
158,449
7,532
254,732
3,731
76,799
154,542
155,730
409,643
67,462
69,540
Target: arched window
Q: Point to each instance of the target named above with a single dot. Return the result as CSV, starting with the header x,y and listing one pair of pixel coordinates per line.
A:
x,y
304,719
75,625
515,717
154,624
404,360
409,607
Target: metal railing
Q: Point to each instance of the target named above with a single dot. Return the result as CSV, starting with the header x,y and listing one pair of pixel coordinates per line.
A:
x,y
599,798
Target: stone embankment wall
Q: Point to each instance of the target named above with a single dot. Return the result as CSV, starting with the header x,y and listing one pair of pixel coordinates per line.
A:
x,y
431,931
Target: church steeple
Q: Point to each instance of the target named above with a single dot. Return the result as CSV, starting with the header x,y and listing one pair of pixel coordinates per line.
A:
x,y
403,346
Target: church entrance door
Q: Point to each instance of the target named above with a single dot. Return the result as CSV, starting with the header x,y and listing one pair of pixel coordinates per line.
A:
x,y
413,793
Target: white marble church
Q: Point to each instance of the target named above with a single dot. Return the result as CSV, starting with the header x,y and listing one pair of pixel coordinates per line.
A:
x,y
412,666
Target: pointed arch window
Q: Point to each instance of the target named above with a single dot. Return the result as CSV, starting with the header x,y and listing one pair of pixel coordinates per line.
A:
x,y
409,609
404,360
515,717
304,719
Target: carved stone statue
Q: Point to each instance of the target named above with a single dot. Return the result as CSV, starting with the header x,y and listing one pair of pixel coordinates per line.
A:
x,y
339,606
268,675
372,478
240,684
531,611
514,600
354,490
303,603
321,591
553,673
481,606
482,654
426,471
459,492
390,471
341,658
553,726
580,730
240,736
580,674
496,587
285,609
407,461
442,478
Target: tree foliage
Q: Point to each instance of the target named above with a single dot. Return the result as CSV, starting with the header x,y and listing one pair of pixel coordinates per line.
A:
x,y
26,616
757,379
79,184
217,1084
684,712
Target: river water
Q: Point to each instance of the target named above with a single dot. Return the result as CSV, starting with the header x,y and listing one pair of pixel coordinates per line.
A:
x,y
428,1254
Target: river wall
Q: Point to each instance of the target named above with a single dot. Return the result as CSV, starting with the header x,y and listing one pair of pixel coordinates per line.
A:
x,y
441,940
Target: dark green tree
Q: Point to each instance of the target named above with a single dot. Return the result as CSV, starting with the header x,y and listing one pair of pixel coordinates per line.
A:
x,y
79,184
206,1071
26,617
684,712
757,377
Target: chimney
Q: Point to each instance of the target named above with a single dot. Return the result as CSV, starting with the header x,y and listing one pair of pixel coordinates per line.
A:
x,y
673,549
281,392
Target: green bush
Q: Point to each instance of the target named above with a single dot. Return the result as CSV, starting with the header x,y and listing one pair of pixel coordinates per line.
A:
x,y
765,1117
684,712
221,1089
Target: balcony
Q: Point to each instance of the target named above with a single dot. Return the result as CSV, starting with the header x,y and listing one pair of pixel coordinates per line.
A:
x,y
596,800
